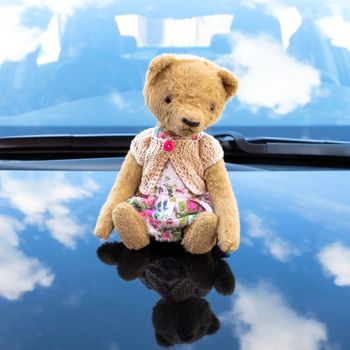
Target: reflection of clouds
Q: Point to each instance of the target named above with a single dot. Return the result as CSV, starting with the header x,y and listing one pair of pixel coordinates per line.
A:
x,y
279,248
74,299
18,272
262,319
321,198
118,101
336,29
289,17
335,259
16,40
270,77
66,7
43,200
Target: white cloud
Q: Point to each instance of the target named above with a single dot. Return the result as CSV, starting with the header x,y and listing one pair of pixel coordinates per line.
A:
x,y
279,248
118,100
16,40
270,77
262,319
290,21
18,272
66,7
288,16
335,260
336,29
43,200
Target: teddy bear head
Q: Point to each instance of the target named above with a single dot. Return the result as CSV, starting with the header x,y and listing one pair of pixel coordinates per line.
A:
x,y
187,93
184,322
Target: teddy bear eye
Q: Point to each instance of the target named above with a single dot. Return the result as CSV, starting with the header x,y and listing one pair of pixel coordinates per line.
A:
x,y
168,99
212,107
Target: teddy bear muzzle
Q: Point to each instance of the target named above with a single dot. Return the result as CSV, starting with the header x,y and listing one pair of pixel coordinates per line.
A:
x,y
190,122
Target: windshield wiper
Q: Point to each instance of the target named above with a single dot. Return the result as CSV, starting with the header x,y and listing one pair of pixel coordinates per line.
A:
x,y
238,149
284,151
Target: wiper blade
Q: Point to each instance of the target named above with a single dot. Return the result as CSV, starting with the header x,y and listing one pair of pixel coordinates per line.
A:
x,y
283,146
285,151
64,146
238,149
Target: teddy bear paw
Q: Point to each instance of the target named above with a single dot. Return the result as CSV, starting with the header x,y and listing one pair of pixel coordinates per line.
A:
x,y
200,236
130,226
103,228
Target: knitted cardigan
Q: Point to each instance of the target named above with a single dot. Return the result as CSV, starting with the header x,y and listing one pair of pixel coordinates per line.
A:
x,y
189,157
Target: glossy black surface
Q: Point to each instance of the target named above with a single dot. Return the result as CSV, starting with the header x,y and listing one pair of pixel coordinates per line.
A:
x,y
291,271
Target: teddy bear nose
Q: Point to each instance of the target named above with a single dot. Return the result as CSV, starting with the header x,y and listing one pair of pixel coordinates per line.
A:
x,y
190,122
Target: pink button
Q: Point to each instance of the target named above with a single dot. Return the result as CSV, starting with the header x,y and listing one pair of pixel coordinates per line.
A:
x,y
168,146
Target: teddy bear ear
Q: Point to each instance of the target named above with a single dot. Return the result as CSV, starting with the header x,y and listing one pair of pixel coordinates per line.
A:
x,y
158,64
162,341
215,326
229,81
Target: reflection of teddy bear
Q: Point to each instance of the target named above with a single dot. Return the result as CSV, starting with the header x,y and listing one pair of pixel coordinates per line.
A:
x,y
181,279
183,322
173,184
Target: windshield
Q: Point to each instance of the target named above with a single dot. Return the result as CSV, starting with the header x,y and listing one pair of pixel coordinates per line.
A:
x,y
82,63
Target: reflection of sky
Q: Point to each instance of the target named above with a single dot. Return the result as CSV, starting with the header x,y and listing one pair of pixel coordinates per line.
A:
x,y
43,202
195,31
40,203
70,296
292,58
262,319
275,245
19,273
269,77
335,259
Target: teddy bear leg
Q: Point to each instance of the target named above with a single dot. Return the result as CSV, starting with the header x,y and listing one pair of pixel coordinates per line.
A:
x,y
200,236
130,226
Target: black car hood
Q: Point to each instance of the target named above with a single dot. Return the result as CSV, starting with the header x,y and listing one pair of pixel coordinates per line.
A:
x,y
292,269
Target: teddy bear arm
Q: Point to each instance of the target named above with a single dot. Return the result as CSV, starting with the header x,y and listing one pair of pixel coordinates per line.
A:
x,y
225,206
125,186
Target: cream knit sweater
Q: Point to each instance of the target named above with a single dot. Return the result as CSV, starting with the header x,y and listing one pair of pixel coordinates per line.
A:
x,y
190,158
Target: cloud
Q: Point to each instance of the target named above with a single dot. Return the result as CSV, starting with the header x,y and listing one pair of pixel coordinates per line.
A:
x,y
16,40
335,260
336,29
269,76
288,16
277,247
262,319
66,7
44,202
74,299
18,272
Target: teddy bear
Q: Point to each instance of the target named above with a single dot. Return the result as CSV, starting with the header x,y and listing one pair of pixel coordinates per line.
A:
x,y
173,184
182,280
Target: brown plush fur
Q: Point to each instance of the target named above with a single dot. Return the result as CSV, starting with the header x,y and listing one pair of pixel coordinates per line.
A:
x,y
200,236
225,205
130,226
198,90
125,186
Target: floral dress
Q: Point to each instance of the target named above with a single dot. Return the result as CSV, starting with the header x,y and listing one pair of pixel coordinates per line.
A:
x,y
173,207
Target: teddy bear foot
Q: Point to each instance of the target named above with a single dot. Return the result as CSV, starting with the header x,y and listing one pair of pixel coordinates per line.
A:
x,y
130,226
200,236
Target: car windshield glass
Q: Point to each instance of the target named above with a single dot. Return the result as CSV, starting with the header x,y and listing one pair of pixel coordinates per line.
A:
x,y
82,64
